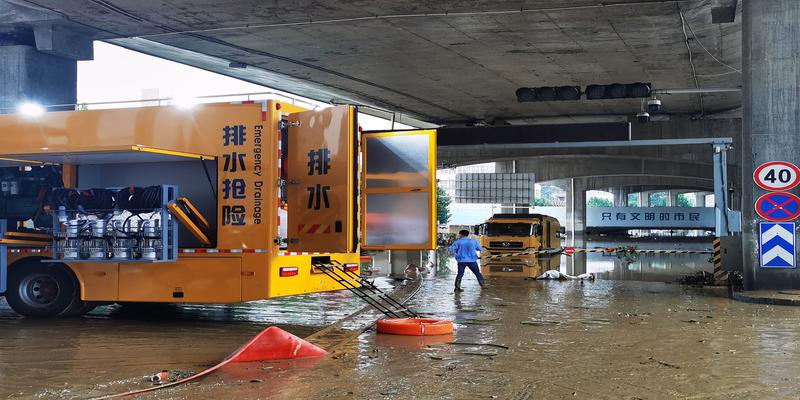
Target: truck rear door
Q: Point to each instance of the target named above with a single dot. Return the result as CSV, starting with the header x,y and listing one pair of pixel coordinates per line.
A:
x,y
321,176
398,207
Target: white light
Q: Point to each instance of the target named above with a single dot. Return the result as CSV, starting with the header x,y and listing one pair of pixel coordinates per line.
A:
x,y
30,109
185,103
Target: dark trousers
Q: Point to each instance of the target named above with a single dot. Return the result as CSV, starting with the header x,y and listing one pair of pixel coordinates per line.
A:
x,y
473,266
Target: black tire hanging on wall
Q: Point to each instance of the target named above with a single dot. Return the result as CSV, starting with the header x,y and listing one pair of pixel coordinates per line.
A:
x,y
37,289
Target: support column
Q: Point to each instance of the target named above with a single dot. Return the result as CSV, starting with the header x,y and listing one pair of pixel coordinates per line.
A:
x,y
770,117
672,198
620,196
644,199
27,74
699,199
399,259
576,224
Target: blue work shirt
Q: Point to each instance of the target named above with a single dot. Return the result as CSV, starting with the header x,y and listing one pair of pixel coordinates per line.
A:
x,y
465,249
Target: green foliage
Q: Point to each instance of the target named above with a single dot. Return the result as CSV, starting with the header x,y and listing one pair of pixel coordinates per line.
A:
x,y
633,199
658,199
443,202
683,201
599,202
542,202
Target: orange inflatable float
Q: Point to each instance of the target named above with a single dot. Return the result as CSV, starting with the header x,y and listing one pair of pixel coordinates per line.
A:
x,y
415,326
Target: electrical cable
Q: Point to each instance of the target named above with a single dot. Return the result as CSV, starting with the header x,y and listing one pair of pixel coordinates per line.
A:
x,y
210,181
697,40
691,59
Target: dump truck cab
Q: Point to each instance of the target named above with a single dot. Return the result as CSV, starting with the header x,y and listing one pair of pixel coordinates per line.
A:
x,y
503,236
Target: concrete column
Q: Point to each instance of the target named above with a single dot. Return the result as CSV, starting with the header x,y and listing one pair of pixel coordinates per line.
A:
x,y
770,117
399,259
27,74
672,198
576,224
620,196
644,199
700,199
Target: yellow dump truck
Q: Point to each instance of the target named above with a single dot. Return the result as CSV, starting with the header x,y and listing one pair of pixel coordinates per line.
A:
x,y
504,235
221,203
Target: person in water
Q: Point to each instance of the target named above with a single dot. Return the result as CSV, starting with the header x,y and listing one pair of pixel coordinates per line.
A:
x,y
465,251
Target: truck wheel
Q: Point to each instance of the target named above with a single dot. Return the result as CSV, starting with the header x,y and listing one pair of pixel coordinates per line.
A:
x,y
41,290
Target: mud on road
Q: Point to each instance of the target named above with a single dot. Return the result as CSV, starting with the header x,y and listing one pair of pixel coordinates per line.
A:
x,y
593,340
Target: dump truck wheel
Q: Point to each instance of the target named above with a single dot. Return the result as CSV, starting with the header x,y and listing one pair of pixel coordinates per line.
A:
x,y
41,290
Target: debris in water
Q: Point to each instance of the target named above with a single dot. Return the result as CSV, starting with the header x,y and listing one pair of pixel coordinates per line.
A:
x,y
475,321
158,378
539,322
480,344
479,353
661,363
596,322
698,278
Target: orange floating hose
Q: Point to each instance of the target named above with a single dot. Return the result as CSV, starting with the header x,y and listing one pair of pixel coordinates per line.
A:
x,y
415,326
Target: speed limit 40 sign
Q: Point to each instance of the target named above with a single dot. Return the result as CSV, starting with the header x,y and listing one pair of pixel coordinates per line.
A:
x,y
777,175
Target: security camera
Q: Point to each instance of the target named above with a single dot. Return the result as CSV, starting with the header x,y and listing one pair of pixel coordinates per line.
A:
x,y
643,116
654,105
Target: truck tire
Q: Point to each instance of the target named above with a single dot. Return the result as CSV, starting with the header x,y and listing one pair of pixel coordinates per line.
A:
x,y
42,290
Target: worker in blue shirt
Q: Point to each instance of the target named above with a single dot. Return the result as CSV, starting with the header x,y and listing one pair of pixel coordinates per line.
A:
x,y
466,252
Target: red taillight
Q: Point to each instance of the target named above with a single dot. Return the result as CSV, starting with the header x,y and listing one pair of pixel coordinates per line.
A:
x,y
277,106
351,267
289,271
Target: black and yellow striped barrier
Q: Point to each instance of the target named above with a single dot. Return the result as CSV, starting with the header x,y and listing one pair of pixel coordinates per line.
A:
x,y
720,276
608,250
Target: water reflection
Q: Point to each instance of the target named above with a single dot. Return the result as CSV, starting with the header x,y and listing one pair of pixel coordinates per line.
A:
x,y
648,267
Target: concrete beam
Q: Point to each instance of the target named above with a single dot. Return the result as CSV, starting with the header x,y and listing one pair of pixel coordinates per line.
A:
x,y
676,128
13,13
64,42
723,11
557,167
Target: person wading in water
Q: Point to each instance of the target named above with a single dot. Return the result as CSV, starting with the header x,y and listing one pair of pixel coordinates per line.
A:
x,y
466,250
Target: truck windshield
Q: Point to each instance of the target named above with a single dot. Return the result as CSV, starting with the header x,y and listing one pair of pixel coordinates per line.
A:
x,y
513,229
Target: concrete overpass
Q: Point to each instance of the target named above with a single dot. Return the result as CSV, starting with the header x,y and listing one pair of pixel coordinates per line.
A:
x,y
450,62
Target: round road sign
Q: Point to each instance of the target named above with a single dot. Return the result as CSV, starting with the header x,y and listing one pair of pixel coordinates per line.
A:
x,y
778,206
569,251
777,175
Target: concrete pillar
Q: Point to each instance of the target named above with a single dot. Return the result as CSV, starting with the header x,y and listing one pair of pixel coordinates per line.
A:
x,y
620,196
576,224
770,117
672,198
27,74
644,199
699,199
399,259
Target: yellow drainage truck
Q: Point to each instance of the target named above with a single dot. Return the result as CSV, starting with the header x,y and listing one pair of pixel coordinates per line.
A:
x,y
220,203
506,234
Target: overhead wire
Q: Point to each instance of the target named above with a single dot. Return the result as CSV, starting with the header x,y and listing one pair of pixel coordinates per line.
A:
x,y
699,43
691,59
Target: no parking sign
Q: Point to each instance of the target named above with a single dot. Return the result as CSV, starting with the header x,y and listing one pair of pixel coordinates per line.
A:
x,y
778,206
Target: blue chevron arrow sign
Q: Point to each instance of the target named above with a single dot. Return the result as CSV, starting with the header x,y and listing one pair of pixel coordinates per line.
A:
x,y
777,244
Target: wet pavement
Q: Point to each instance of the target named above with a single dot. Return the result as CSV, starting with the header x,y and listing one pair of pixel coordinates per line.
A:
x,y
607,339
115,347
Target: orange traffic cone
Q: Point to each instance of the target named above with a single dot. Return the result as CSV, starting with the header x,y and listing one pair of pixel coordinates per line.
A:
x,y
274,343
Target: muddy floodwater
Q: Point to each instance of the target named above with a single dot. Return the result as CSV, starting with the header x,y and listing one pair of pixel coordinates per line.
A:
x,y
606,339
